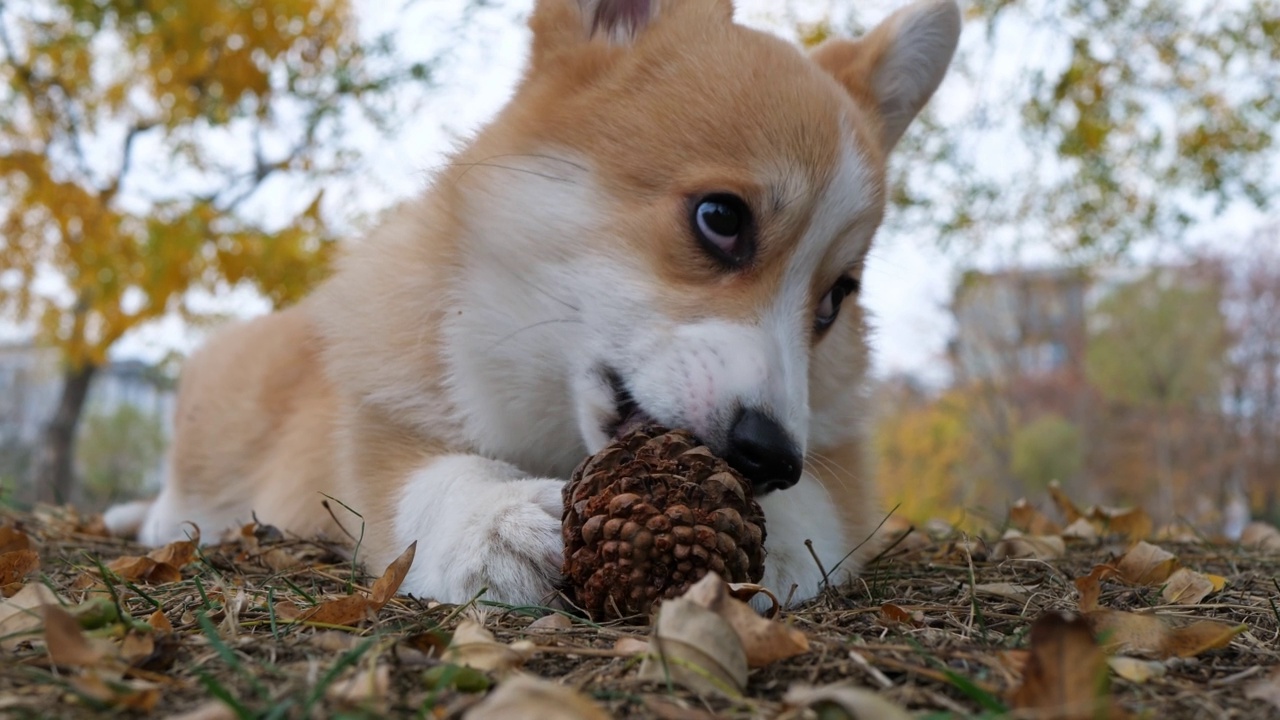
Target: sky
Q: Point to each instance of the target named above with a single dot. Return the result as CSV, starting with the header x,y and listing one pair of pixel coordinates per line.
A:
x,y
908,280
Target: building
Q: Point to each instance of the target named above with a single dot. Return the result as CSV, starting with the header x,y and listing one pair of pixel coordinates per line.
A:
x,y
30,383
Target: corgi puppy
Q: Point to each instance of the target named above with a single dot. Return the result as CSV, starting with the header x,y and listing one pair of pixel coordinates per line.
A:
x,y
668,222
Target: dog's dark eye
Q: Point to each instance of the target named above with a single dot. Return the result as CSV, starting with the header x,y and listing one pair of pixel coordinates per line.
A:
x,y
722,223
829,307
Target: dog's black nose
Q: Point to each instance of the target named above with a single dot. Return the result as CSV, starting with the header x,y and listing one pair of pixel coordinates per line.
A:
x,y
763,452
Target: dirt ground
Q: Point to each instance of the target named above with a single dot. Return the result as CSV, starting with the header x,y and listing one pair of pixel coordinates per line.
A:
x,y
934,625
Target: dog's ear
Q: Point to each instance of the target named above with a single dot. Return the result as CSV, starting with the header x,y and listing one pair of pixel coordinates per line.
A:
x,y
895,68
563,24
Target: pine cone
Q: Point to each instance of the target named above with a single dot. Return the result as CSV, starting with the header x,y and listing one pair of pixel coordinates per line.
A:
x,y
649,515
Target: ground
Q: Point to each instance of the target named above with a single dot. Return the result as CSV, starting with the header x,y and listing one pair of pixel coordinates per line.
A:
x,y
934,625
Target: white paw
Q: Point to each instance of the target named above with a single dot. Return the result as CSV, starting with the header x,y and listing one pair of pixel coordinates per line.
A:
x,y
480,526
792,516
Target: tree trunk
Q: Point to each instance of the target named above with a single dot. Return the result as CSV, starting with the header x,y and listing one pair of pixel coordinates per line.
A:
x,y
55,470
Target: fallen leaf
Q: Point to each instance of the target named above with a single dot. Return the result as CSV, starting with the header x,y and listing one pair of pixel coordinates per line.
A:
x,y
1146,564
385,587
523,696
1158,636
1262,536
1266,688
764,641
16,564
363,687
160,622
12,539
177,554
213,710
1090,586
137,647
1081,529
746,592
1015,546
1065,506
474,646
64,641
144,570
1024,516
1135,670
126,694
1065,677
1133,523
695,647
554,621
854,703
631,646
896,614
1188,587
20,615
1008,591
344,611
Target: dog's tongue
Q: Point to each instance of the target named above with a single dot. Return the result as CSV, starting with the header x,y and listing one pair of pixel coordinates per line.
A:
x,y
634,420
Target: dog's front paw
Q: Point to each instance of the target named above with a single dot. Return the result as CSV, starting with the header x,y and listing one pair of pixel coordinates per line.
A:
x,y
500,535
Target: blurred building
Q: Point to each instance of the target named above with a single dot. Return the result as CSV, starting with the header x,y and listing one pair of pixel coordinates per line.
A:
x,y
30,382
1019,323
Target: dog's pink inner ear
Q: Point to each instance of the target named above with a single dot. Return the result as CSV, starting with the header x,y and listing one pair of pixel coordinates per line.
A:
x,y
619,21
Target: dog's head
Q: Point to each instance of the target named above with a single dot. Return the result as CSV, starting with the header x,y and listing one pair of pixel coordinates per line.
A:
x,y
693,201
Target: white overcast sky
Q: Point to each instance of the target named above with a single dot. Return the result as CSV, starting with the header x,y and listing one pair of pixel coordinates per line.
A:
x,y
908,280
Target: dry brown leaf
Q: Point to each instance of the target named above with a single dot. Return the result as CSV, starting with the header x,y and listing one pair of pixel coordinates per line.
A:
x,y
1145,564
748,591
1158,636
144,570
856,703
523,696
1135,670
695,647
1081,529
160,622
12,539
1065,506
340,611
1188,587
1090,586
764,641
1016,546
1008,591
16,564
1266,688
631,646
896,614
214,710
475,647
385,587
126,695
136,647
64,640
1262,536
278,559
554,621
363,687
20,615
1066,674
1025,517
1133,523
177,554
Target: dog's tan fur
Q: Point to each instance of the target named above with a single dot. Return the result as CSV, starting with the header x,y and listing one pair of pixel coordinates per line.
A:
x,y
352,391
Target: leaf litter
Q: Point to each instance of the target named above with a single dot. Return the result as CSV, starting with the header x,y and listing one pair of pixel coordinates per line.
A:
x,y
1085,612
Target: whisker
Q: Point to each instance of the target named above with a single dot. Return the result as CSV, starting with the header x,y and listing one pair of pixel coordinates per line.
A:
x,y
532,326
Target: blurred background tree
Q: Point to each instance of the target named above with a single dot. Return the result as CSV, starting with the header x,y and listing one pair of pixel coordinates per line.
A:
x,y
221,97
116,452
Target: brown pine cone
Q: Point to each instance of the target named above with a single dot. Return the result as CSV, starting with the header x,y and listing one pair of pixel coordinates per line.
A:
x,y
649,515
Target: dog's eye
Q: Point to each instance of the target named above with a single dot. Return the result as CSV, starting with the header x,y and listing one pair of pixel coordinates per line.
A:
x,y
722,224
829,307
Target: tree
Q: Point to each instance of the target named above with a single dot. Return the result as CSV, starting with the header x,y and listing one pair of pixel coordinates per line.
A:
x,y
1093,124
1160,343
921,454
220,98
1046,449
116,452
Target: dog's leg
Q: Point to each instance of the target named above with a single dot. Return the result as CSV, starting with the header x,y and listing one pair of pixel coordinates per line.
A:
x,y
793,516
480,523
